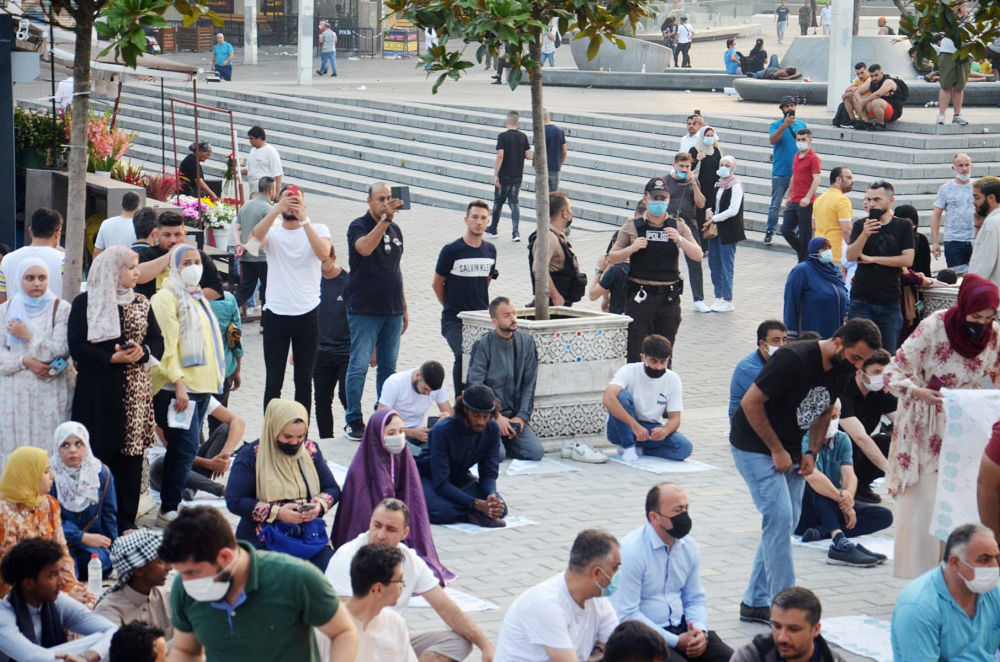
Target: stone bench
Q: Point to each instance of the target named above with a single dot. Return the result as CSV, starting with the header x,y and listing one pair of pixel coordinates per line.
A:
x,y
752,89
710,34
673,79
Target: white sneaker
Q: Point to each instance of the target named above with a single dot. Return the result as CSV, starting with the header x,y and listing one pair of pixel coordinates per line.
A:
x,y
958,119
165,518
701,307
940,119
723,306
629,454
574,450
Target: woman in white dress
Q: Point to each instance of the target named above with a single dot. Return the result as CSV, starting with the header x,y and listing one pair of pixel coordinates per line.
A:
x,y
34,402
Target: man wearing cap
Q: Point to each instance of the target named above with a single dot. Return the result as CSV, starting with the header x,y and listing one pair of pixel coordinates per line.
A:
x,y
652,244
783,150
139,592
470,438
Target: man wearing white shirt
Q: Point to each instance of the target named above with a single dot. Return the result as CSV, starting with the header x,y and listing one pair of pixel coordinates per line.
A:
x,y
826,18
985,260
263,160
566,618
389,527
118,230
377,581
685,33
660,579
45,231
409,393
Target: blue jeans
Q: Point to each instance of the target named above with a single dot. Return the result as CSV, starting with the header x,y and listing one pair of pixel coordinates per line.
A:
x,y
225,71
888,319
378,332
182,446
778,498
781,30
721,260
957,253
674,447
330,58
551,57
779,186
506,193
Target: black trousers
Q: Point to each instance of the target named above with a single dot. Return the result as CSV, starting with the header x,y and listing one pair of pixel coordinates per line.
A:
x,y
331,369
301,332
715,651
683,49
127,471
453,335
797,216
822,513
250,273
863,467
659,313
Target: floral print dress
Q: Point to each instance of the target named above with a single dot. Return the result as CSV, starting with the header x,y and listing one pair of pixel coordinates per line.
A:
x,y
19,523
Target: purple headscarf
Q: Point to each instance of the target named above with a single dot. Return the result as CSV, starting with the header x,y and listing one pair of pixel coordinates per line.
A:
x,y
377,474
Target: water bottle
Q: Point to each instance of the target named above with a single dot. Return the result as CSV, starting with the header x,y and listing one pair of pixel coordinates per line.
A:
x,y
643,68
94,570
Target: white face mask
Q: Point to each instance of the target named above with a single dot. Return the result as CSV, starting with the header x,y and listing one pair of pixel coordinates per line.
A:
x,y
875,383
207,589
191,275
983,581
395,443
803,145
771,349
831,430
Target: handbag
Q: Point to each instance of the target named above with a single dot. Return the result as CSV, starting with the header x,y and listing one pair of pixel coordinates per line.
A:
x,y
302,541
711,231
101,504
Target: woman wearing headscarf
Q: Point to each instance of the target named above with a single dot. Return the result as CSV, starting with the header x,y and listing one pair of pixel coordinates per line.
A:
x,y
192,180
36,393
757,58
281,478
113,335
86,494
27,511
190,372
816,298
726,216
384,468
952,349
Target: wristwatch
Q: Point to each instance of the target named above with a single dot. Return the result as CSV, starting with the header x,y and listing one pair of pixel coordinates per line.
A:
x,y
598,271
810,452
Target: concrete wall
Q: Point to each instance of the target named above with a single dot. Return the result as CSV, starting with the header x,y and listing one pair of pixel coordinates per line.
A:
x,y
673,79
637,53
811,56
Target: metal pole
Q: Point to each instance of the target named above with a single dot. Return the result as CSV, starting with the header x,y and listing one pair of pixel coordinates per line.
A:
x,y
52,78
840,64
8,211
163,132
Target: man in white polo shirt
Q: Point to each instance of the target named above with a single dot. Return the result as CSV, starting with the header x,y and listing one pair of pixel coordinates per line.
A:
x,y
389,527
410,393
118,230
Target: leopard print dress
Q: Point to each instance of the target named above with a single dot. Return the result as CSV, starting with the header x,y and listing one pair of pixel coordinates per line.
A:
x,y
139,424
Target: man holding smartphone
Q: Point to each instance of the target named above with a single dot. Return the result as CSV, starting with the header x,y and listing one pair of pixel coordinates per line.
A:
x,y
783,149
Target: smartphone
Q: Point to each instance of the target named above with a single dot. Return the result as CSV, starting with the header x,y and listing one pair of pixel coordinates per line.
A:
x,y
401,193
57,365
305,507
517,427
789,113
432,421
293,189
129,344
935,384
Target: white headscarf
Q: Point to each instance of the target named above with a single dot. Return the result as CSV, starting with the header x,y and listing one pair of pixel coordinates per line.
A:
x,y
105,293
24,307
79,487
699,142
727,182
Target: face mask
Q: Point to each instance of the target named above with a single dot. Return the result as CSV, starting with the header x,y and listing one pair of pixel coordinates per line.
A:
x,y
206,589
289,449
803,145
875,383
983,581
771,349
831,429
657,207
395,443
680,175
709,140
826,257
612,586
681,526
655,374
723,172
191,275
975,330
963,178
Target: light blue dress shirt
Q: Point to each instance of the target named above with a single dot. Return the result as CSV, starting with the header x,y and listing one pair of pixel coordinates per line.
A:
x,y
660,586
75,618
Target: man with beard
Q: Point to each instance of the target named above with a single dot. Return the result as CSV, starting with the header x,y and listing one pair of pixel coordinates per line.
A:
x,y
794,634
138,593
793,395
985,260
832,213
470,438
154,265
567,284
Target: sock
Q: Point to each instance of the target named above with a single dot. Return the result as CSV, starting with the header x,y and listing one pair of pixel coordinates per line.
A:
x,y
841,543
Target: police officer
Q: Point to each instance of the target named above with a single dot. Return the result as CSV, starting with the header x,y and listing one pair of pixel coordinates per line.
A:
x,y
652,244
567,284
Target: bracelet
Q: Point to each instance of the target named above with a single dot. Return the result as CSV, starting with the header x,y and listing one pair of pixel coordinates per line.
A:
x,y
810,452
305,222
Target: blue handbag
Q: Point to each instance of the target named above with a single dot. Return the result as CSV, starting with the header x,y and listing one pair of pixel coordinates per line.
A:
x,y
302,541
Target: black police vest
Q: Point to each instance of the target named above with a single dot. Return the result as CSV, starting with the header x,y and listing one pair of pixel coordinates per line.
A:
x,y
658,261
565,278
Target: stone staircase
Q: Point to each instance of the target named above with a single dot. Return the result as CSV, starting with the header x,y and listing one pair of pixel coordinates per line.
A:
x,y
445,154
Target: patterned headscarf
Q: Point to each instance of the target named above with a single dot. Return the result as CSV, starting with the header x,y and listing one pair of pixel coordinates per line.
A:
x,y
22,476
189,302
78,487
130,552
105,293
24,307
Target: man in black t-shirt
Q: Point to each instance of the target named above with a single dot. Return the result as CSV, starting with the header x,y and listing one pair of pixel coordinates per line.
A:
x,y
793,395
334,344
512,151
462,277
883,245
863,404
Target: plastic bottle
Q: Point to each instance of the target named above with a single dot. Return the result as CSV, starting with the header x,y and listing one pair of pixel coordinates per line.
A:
x,y
94,570
643,68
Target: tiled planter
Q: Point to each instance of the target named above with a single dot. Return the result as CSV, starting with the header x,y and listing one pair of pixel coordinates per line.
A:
x,y
938,298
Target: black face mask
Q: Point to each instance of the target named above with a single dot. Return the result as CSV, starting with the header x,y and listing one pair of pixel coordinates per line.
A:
x,y
975,330
654,374
289,449
681,526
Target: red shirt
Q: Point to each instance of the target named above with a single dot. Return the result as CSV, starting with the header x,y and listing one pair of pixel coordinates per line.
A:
x,y
803,169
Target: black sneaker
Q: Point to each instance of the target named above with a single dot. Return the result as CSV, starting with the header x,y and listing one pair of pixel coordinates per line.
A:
x,y
811,535
490,232
847,125
882,558
877,127
866,494
755,614
847,553
320,73
355,430
861,125
480,519
768,238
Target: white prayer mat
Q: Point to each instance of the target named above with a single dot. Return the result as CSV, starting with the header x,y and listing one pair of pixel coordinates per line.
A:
x,y
339,472
875,544
467,603
657,465
544,466
861,635
472,529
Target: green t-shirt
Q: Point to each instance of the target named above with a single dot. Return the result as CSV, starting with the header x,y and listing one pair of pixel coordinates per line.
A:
x,y
252,213
285,598
832,457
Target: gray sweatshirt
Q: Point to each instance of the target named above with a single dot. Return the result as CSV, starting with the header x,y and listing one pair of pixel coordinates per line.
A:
x,y
509,367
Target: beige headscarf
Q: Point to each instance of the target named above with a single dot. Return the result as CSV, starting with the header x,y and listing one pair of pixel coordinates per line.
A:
x,y
105,293
280,476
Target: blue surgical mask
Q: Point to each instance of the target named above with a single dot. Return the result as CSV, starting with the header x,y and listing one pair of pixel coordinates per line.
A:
x,y
826,257
723,172
963,178
709,140
612,586
680,175
657,207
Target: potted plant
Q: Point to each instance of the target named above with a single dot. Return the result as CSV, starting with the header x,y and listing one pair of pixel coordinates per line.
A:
x,y
106,145
218,219
33,130
162,186
130,174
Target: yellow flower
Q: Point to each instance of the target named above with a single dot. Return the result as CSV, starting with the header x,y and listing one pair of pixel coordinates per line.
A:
x,y
208,202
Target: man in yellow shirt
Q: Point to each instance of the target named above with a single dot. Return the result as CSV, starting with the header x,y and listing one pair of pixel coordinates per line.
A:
x,y
832,212
853,108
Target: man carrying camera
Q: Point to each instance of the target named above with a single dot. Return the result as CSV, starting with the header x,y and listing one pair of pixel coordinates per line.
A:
x,y
567,284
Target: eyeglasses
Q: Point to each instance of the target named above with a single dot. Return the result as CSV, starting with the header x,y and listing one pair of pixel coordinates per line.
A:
x,y
400,581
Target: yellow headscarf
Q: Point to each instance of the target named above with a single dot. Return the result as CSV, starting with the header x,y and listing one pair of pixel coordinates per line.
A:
x,y
22,476
280,476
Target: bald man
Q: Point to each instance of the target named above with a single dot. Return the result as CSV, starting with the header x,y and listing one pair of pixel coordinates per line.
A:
x,y
954,200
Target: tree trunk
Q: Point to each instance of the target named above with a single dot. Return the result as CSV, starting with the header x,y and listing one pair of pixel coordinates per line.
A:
x,y
76,228
857,14
540,163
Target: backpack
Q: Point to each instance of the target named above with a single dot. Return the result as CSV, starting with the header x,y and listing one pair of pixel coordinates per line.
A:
x,y
902,91
558,40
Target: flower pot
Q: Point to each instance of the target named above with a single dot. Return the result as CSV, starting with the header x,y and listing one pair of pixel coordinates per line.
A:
x,y
32,158
103,173
219,237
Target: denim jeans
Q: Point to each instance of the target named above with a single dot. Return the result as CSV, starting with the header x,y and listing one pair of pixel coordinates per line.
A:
x,y
378,332
778,498
781,30
525,446
506,193
674,447
225,71
550,58
888,319
779,186
800,218
824,514
330,58
957,253
182,446
553,181
721,260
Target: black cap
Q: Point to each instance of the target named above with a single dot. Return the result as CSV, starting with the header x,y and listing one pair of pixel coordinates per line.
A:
x,y
656,184
479,398
787,100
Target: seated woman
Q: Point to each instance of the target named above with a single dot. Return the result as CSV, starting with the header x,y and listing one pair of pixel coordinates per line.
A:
x,y
281,478
816,298
27,511
756,60
86,494
470,438
384,468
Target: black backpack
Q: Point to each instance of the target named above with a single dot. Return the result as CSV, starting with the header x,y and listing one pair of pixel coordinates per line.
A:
x,y
902,90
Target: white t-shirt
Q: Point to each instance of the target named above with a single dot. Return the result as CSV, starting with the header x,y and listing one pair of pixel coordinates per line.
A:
x,y
653,398
826,15
384,640
115,231
398,394
684,33
417,574
262,162
546,615
53,258
293,270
